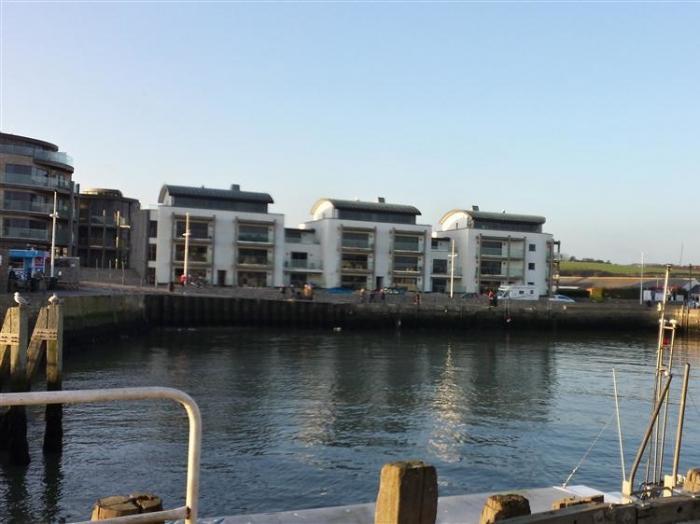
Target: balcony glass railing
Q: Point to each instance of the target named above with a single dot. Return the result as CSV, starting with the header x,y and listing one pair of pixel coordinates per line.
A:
x,y
493,251
25,232
352,242
253,261
302,264
253,237
407,267
406,246
25,205
37,181
40,154
354,266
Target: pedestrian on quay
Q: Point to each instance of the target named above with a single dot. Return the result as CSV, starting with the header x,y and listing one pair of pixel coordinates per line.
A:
x,y
362,295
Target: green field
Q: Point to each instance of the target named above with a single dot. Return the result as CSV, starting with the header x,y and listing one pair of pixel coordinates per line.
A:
x,y
602,269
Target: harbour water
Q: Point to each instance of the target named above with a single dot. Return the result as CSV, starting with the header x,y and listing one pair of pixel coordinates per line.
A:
x,y
302,419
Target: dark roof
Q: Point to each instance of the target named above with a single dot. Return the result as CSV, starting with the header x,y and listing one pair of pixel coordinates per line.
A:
x,y
8,138
357,205
501,217
301,230
217,194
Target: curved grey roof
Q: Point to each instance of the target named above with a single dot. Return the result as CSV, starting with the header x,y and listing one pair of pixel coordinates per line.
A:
x,y
218,194
357,205
503,217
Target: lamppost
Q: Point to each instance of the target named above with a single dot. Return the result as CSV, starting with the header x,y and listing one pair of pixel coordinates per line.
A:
x,y
53,216
187,245
118,249
452,268
641,281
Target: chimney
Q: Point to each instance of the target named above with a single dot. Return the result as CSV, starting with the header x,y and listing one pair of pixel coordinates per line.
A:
x,y
381,200
235,187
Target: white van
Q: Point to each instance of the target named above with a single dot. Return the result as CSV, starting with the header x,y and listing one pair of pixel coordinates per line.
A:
x,y
518,292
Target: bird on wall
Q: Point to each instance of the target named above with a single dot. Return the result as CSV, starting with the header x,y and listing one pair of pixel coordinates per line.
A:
x,y
20,299
53,299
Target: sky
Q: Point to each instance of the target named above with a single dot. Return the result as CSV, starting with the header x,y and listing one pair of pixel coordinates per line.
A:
x,y
585,113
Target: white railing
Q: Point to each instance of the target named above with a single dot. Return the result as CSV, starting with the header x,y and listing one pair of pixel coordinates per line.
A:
x,y
189,510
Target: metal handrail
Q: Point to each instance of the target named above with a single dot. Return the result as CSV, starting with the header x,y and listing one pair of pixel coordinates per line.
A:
x,y
189,510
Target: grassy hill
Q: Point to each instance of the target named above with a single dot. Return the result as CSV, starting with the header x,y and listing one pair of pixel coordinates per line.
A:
x,y
603,269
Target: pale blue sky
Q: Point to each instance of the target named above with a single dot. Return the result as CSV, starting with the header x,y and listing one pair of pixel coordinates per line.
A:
x,y
585,113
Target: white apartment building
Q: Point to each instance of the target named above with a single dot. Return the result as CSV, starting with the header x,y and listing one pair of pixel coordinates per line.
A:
x,y
494,249
371,244
303,259
234,240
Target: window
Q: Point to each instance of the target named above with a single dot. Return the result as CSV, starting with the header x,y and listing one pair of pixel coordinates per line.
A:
x,y
252,233
489,267
197,229
152,228
440,266
531,266
151,252
530,283
532,247
489,247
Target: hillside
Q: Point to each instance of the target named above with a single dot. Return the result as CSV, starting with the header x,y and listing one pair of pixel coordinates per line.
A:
x,y
604,269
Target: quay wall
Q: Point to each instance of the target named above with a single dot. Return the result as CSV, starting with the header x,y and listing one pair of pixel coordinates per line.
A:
x,y
183,310
96,316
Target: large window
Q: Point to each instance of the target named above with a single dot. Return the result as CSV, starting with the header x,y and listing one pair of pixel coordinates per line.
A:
x,y
197,229
252,233
152,228
256,257
406,243
490,247
406,264
490,267
354,262
353,281
359,240
194,254
440,266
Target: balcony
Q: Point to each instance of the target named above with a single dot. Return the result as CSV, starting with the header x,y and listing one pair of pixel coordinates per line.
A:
x,y
257,238
293,265
56,157
27,233
414,247
349,267
258,262
401,268
28,206
500,276
352,243
57,183
446,272
501,253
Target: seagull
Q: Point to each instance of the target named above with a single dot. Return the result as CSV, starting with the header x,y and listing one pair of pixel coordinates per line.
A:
x,y
20,299
53,299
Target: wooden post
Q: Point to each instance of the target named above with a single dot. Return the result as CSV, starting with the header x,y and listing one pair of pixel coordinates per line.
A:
x,y
53,437
407,494
119,506
13,428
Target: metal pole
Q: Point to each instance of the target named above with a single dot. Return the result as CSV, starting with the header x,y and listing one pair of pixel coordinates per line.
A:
x,y
187,244
116,240
681,417
628,485
619,426
54,215
452,269
641,281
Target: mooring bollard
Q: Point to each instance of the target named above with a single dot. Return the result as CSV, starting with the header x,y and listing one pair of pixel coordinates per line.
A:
x,y
408,494
120,506
499,507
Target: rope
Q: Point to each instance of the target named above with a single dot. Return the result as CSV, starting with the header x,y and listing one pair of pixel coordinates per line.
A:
x,y
585,455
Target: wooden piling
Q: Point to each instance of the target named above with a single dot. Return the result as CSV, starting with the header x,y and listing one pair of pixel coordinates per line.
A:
x,y
120,506
13,340
53,436
408,494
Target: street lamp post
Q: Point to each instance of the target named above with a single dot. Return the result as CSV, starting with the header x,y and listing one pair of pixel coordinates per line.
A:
x,y
452,268
53,216
187,244
641,281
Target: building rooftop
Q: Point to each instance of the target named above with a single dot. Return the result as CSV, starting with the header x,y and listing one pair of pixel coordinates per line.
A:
x,y
500,217
372,207
233,195
18,140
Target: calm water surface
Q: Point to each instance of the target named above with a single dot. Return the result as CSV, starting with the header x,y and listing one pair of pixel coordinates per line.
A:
x,y
306,419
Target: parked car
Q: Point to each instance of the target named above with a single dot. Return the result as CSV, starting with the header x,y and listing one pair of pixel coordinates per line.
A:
x,y
561,298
